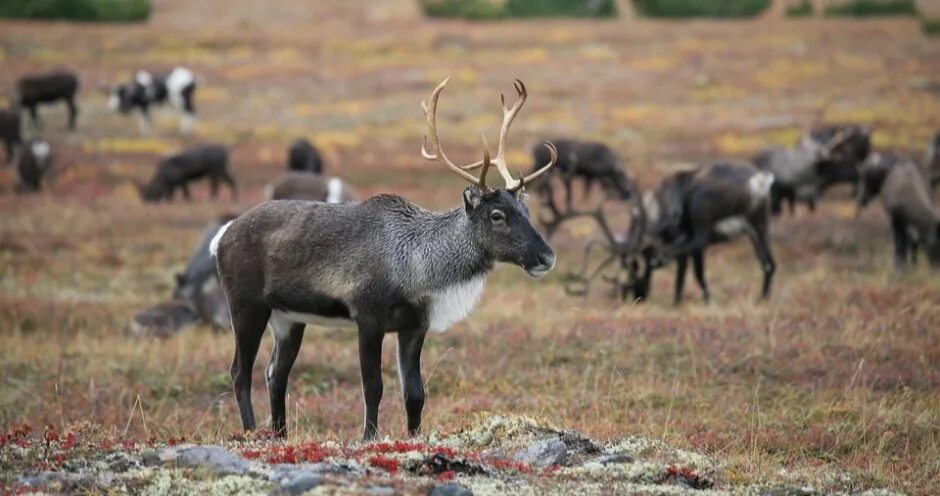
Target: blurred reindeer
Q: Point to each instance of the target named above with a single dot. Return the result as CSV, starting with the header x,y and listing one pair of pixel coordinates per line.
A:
x,y
824,156
905,196
590,161
689,211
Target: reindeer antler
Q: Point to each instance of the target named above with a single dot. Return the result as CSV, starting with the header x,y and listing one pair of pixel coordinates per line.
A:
x,y
509,114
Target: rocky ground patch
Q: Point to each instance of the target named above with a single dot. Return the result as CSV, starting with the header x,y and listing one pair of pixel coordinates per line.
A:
x,y
497,455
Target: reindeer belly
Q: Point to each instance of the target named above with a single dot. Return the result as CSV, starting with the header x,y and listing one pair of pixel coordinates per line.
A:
x,y
732,226
280,321
452,304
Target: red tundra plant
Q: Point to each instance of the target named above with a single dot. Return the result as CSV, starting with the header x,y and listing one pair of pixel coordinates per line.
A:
x,y
388,464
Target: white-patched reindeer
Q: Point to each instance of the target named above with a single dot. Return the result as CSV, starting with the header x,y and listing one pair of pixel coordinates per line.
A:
x,y
147,89
385,265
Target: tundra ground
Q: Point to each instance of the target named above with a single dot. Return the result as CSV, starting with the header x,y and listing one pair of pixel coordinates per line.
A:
x,y
833,383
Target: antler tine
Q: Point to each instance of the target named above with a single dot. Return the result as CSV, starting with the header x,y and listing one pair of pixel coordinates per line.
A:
x,y
551,163
836,140
509,114
430,113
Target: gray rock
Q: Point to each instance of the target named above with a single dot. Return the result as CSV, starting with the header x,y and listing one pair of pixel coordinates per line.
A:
x,y
544,453
381,491
299,481
450,489
215,458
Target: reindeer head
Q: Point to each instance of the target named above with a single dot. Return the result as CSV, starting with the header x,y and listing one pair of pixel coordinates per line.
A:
x,y
499,219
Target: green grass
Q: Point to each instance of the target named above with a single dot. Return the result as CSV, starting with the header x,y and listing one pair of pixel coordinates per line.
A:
x,y
700,8
489,10
802,9
872,8
77,10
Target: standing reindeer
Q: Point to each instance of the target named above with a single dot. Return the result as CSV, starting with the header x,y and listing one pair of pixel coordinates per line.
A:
x,y
802,173
386,265
905,195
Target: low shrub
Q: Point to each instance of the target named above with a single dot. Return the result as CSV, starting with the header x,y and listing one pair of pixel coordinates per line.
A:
x,y
492,9
700,8
77,10
804,8
872,8
931,27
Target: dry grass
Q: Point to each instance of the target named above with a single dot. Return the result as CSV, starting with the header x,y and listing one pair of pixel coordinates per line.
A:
x,y
837,373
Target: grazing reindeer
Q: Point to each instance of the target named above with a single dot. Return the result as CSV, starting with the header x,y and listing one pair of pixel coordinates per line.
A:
x,y
385,264
177,171
179,87
802,173
691,210
303,157
312,187
48,88
35,162
198,285
10,131
590,161
905,195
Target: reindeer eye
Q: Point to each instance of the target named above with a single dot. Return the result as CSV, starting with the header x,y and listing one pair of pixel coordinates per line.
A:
x,y
497,216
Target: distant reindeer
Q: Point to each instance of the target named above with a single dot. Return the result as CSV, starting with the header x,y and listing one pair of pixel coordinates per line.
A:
x,y
933,160
824,157
905,195
312,187
712,204
35,162
10,131
199,285
686,213
386,265
177,171
147,89
34,90
590,161
302,156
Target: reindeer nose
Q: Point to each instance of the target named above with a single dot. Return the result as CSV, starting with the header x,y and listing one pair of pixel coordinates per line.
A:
x,y
547,259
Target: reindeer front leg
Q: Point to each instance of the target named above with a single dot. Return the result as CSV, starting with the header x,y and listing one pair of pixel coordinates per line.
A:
x,y
409,373
371,335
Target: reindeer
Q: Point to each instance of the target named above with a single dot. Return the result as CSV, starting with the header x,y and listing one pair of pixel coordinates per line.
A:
x,y
386,265
933,160
147,89
198,285
35,162
803,172
692,210
10,131
686,213
588,160
39,89
177,171
313,187
302,156
905,196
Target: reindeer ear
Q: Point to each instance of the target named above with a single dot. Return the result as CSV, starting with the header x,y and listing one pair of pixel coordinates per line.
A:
x,y
472,197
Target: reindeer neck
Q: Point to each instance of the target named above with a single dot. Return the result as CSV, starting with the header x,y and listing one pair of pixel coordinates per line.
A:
x,y
442,251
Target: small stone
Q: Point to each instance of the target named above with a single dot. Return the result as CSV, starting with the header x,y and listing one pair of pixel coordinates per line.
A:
x,y
544,453
215,458
614,459
299,481
450,489
381,491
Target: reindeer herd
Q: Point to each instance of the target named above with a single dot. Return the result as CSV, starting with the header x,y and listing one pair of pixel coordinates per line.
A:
x,y
313,254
